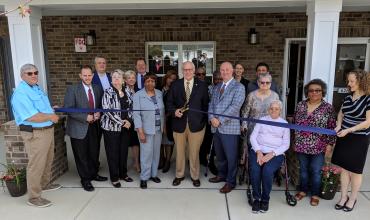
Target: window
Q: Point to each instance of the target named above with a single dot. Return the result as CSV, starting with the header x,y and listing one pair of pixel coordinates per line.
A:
x,y
164,56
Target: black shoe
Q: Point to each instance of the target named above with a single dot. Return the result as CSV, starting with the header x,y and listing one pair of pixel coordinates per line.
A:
x,y
88,186
126,179
117,185
143,184
196,183
177,181
166,167
256,206
155,179
348,209
339,207
264,206
100,178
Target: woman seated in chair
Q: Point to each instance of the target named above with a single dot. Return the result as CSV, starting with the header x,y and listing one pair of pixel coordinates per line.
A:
x,y
266,155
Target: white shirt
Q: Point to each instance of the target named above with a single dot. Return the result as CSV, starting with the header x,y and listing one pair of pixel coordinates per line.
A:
x,y
104,81
87,92
227,83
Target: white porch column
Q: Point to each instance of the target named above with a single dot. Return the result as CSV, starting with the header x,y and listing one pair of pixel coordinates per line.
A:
x,y
26,43
322,38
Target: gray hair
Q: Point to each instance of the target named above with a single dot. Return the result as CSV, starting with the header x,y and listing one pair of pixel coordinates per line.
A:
x,y
264,75
99,57
192,64
276,102
129,73
27,67
119,72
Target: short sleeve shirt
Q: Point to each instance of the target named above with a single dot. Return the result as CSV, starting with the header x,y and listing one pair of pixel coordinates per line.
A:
x,y
27,101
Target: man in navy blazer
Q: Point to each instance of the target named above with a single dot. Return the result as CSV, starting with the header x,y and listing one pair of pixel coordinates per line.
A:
x,y
188,127
140,66
101,77
227,99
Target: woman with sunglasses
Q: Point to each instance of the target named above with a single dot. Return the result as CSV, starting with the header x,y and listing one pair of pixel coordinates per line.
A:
x,y
312,148
257,102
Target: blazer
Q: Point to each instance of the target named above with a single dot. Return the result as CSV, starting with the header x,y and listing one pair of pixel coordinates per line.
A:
x,y
76,97
198,100
229,103
146,119
112,121
96,79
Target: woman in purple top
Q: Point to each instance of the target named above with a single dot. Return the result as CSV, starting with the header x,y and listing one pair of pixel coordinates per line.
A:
x,y
311,147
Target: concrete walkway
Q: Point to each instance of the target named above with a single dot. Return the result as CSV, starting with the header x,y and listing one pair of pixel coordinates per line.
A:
x,y
163,201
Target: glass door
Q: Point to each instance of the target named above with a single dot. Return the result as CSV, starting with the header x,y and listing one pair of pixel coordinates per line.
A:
x,y
352,53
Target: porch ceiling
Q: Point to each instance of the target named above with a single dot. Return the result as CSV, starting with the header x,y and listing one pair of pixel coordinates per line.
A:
x,y
168,7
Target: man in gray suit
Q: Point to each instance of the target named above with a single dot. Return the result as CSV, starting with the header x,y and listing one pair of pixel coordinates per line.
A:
x,y
227,99
83,127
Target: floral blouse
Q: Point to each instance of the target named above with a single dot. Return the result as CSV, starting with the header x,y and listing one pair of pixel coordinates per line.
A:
x,y
323,117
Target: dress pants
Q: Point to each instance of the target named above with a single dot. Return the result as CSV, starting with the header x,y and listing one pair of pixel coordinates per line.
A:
x,y
226,147
193,140
116,148
149,155
86,152
263,175
39,146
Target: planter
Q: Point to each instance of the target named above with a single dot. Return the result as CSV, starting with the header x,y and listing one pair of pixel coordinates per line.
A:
x,y
329,192
15,190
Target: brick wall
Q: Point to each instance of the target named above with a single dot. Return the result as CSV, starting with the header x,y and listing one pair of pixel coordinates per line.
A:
x,y
3,107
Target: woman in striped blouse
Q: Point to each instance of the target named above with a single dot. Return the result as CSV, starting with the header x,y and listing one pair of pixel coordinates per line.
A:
x,y
353,129
116,127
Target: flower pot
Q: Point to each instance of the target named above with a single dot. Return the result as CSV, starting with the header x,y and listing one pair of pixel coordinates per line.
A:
x,y
15,190
329,192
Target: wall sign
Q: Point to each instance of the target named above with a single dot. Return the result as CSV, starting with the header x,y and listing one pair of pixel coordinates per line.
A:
x,y
80,45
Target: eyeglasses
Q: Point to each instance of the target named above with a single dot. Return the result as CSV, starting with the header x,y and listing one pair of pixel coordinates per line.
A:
x,y
265,83
32,73
314,90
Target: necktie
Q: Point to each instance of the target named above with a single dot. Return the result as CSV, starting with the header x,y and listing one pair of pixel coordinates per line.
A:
x,y
222,90
187,91
91,99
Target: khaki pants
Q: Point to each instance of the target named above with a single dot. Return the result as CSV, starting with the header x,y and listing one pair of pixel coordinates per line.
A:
x,y
40,150
193,140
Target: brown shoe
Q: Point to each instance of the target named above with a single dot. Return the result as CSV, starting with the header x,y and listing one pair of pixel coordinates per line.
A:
x,y
226,188
39,202
314,201
177,181
216,179
300,195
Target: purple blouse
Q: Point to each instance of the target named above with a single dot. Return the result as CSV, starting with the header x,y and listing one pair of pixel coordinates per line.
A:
x,y
323,117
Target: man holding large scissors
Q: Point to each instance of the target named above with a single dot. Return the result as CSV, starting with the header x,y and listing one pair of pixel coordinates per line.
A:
x,y
188,129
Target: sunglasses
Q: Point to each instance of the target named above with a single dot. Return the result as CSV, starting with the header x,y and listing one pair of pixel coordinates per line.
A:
x,y
32,73
265,83
315,91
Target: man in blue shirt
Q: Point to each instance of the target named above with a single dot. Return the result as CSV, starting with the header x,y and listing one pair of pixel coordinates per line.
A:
x,y
35,118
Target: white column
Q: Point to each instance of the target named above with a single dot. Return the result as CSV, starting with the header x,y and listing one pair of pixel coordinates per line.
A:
x,y
26,43
322,38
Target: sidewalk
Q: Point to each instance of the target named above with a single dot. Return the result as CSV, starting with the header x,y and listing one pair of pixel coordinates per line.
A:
x,y
163,201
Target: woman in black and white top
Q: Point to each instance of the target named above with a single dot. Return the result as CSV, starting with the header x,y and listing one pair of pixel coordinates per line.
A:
x,y
116,127
353,129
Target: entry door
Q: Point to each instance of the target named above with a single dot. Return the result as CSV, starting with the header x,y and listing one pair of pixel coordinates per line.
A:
x,y
352,53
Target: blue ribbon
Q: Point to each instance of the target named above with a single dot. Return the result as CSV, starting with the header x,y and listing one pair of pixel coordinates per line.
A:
x,y
272,123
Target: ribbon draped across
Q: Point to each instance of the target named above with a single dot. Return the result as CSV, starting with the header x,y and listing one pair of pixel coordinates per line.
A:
x,y
272,123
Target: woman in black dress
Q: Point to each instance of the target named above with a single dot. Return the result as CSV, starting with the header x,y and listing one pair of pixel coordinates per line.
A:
x,y
353,129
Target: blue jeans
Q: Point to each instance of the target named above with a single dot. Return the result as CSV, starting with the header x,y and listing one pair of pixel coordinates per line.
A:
x,y
310,172
263,175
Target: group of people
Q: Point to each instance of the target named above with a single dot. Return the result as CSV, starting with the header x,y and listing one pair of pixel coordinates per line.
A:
x,y
192,116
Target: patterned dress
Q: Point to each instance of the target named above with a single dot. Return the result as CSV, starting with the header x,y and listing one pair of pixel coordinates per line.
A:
x,y
323,117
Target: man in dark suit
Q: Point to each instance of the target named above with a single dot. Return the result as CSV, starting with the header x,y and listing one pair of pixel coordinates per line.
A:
x,y
140,73
83,127
101,77
188,129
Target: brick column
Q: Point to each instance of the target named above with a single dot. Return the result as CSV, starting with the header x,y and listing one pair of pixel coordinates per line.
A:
x,y
16,152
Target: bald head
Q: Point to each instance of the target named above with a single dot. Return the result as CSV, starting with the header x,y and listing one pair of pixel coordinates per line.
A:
x,y
226,70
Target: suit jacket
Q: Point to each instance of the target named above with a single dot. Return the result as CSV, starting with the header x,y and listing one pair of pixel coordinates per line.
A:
x,y
229,103
198,100
76,97
136,87
146,119
96,79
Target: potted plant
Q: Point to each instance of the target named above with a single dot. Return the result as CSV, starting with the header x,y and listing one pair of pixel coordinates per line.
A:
x,y
329,181
15,179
